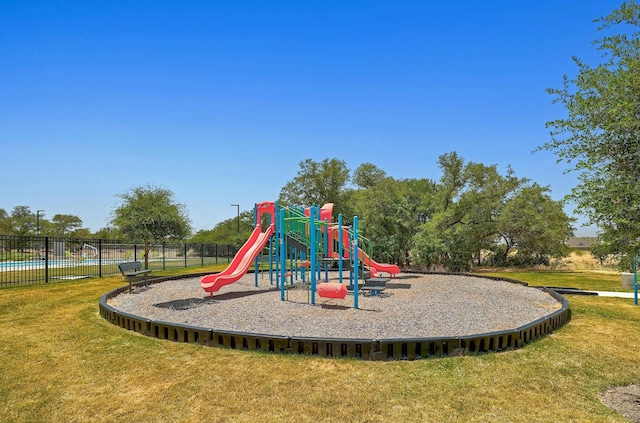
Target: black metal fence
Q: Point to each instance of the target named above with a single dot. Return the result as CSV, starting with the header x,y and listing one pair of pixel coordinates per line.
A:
x,y
30,259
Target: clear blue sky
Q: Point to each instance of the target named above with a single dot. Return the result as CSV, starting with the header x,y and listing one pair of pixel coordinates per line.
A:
x,y
219,101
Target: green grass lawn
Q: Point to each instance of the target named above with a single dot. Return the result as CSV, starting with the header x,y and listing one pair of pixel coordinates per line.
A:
x,y
589,281
60,362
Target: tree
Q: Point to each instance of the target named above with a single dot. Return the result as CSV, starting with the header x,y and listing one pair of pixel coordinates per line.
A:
x,y
317,183
476,212
23,221
5,222
600,136
108,232
367,175
226,232
467,203
81,233
389,210
150,213
62,224
535,225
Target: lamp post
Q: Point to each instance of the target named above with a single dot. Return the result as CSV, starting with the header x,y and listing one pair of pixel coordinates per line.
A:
x,y
38,221
238,207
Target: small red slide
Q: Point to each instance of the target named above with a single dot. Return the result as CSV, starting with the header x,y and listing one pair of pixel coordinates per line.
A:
x,y
391,269
240,263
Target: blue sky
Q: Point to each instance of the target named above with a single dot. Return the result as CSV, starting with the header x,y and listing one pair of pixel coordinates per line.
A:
x,y
219,101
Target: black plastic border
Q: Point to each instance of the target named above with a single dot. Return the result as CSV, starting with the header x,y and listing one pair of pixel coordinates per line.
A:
x,y
367,349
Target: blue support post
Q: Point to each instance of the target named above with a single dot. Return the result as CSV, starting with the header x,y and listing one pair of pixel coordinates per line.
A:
x,y
256,262
351,258
271,246
303,270
271,260
318,265
295,265
277,247
340,247
312,253
283,256
355,262
326,250
292,260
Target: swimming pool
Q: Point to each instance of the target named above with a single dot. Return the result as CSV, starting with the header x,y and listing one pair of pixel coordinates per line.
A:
x,y
40,264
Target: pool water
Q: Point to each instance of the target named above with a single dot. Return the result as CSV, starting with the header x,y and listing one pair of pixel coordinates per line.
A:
x,y
36,264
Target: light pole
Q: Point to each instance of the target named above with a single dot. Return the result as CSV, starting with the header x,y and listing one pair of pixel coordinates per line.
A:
x,y
38,222
238,206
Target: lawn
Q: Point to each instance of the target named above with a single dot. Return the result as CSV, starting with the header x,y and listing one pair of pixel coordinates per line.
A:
x,y
60,361
589,281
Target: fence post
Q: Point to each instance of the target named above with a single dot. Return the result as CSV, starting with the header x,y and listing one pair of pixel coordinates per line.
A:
x,y
201,254
46,259
216,253
163,256
100,257
185,254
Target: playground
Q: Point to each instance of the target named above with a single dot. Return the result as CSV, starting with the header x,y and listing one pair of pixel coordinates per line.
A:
x,y
413,306
300,303
306,242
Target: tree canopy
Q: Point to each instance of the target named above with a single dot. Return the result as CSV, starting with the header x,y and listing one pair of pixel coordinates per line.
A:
x,y
23,222
226,232
317,183
150,213
600,134
473,214
64,224
479,216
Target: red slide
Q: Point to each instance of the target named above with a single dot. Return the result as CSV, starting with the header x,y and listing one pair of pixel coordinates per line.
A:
x,y
391,269
240,263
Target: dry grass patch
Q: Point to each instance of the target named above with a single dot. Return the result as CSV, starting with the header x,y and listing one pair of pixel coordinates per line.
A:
x,y
583,261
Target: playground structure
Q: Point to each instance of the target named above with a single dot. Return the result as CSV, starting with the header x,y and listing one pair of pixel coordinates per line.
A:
x,y
301,243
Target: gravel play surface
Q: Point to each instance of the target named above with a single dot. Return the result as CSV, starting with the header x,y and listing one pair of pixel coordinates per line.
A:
x,y
412,306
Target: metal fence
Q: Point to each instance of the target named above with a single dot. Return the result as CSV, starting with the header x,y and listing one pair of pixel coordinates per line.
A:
x,y
30,259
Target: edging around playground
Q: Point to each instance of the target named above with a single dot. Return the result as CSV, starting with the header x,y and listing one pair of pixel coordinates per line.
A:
x,y
368,349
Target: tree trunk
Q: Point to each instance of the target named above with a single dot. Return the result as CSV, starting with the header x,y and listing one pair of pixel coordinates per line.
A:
x,y
146,253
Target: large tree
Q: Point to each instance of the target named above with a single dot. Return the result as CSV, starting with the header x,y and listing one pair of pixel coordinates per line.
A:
x,y
317,183
600,135
390,211
478,212
150,213
63,224
23,222
533,224
466,203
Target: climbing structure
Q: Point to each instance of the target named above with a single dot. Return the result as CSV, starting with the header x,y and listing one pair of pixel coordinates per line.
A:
x,y
301,243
